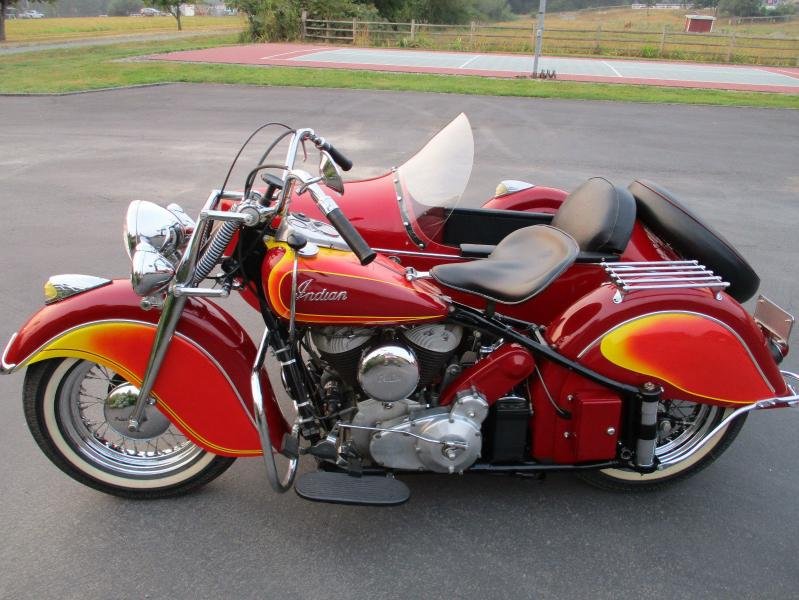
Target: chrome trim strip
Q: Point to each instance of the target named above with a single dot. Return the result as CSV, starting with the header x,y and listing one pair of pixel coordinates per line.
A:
x,y
682,312
511,187
71,284
5,367
147,323
389,252
278,483
406,220
198,292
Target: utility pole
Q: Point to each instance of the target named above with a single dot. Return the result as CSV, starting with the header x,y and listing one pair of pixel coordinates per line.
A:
x,y
539,34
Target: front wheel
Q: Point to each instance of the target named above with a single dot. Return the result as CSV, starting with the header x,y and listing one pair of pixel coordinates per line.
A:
x,y
682,425
68,411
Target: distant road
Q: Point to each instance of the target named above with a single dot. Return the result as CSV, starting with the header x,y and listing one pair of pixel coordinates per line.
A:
x,y
20,47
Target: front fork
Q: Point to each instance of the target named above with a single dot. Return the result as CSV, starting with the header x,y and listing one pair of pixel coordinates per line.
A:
x,y
167,323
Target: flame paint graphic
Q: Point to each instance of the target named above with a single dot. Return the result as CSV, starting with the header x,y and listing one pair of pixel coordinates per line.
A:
x,y
691,352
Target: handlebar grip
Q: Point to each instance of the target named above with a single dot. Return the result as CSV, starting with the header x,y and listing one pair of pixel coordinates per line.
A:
x,y
341,160
354,239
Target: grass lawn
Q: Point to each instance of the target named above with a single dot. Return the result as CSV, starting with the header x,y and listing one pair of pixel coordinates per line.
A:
x,y
97,67
40,30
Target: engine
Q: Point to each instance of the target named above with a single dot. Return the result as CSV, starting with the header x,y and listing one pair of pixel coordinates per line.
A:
x,y
385,367
414,438
388,371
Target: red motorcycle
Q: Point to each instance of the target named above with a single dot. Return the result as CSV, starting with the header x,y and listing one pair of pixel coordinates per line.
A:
x,y
599,332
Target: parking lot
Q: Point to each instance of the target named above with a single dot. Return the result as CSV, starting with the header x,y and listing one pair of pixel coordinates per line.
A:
x,y
70,165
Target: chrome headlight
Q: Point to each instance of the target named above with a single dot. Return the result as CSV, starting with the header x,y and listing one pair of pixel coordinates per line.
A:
x,y
155,238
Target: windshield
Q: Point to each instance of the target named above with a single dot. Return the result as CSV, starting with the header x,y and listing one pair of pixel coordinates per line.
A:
x,y
435,178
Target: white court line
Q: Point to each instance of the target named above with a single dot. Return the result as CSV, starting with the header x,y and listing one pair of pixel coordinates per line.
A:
x,y
471,60
609,66
283,54
790,74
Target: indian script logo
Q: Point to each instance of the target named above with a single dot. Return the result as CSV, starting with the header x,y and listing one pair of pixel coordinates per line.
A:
x,y
324,295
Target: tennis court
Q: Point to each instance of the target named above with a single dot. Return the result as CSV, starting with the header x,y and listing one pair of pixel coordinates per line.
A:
x,y
674,74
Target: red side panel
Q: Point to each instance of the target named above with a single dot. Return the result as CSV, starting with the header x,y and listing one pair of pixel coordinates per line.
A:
x,y
495,375
597,419
534,199
204,384
575,420
697,347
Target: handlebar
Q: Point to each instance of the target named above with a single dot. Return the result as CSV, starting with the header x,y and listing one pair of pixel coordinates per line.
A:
x,y
338,220
354,239
341,160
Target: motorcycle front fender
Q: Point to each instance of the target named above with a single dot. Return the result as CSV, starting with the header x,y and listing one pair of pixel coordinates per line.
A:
x,y
203,386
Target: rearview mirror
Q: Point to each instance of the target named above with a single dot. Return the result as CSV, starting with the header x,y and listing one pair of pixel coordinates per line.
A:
x,y
330,173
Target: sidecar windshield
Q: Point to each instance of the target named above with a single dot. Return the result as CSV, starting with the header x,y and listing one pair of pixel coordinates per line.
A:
x,y
435,178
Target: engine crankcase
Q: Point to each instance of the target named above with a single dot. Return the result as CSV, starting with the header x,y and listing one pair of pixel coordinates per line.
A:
x,y
443,440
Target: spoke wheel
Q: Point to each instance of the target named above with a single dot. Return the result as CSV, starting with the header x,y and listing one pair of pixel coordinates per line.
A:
x,y
682,425
72,408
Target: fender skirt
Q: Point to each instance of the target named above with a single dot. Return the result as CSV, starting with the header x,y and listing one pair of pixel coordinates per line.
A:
x,y
204,384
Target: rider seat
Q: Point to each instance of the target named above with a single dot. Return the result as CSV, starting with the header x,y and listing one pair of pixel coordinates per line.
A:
x,y
667,218
520,266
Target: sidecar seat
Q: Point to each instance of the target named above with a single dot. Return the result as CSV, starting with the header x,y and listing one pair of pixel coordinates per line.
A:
x,y
600,216
666,216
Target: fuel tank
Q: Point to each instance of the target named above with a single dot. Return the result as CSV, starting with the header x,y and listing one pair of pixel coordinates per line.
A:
x,y
334,288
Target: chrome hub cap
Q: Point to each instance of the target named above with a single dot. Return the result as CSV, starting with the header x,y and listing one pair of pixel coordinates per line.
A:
x,y
118,406
93,416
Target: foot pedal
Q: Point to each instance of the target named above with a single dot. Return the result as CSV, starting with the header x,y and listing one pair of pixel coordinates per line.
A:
x,y
340,488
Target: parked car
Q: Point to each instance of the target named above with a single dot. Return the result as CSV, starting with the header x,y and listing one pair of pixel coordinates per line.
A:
x,y
31,14
151,12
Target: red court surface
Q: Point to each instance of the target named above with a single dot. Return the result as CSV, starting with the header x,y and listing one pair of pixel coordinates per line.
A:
x,y
670,74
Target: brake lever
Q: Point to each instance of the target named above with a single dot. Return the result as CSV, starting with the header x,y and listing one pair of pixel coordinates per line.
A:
x,y
304,150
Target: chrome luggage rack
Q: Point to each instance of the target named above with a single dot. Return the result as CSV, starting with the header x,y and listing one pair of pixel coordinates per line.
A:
x,y
669,274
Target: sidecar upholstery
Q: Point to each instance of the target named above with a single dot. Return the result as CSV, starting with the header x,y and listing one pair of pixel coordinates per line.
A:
x,y
598,215
667,218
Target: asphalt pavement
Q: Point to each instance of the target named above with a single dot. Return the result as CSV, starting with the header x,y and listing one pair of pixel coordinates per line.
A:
x,y
70,165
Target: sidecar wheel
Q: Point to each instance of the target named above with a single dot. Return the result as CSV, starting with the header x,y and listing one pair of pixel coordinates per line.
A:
x,y
64,402
681,426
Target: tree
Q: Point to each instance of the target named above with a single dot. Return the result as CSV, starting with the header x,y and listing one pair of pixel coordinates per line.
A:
x,y
5,5
170,6
123,8
739,8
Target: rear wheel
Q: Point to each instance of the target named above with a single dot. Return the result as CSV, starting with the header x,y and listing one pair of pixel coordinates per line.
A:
x,y
682,425
84,434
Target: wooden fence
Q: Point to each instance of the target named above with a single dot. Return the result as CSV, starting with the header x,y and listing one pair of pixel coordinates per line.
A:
x,y
675,45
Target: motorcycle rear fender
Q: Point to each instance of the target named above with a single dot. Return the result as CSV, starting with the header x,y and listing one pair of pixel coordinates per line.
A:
x,y
697,346
204,383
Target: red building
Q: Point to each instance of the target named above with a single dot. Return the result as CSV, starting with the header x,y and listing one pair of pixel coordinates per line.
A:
x,y
699,23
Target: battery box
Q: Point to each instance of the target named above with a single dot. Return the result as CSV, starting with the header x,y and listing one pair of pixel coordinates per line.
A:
x,y
506,430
